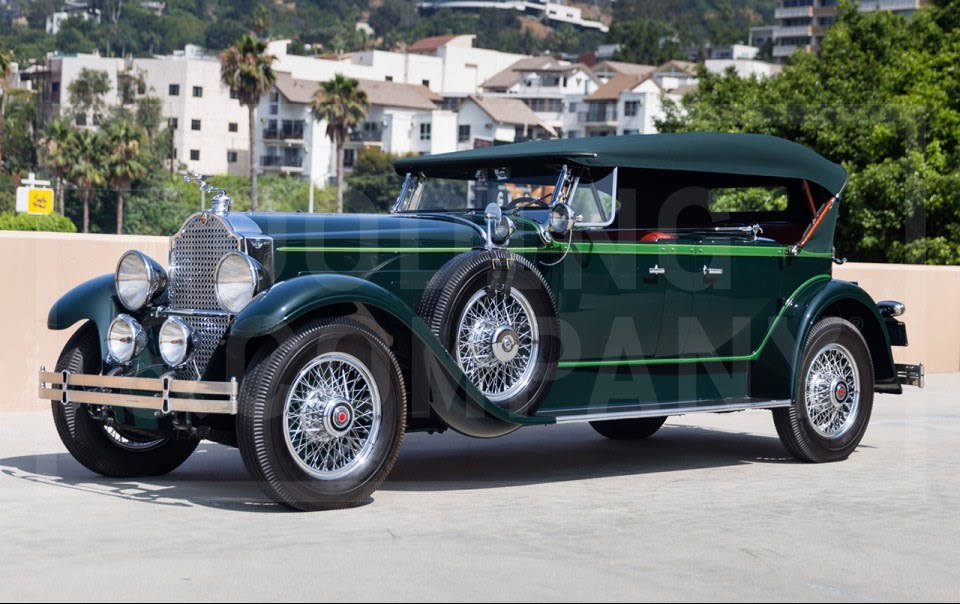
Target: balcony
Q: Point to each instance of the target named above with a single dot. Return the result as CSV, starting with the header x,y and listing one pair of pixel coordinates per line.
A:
x,y
794,12
891,5
600,114
288,130
794,31
282,163
367,136
788,49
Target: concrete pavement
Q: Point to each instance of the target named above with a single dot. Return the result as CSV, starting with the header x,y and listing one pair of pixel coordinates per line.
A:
x,y
709,508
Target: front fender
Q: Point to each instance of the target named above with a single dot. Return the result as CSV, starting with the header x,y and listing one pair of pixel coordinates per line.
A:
x,y
95,300
434,373
778,367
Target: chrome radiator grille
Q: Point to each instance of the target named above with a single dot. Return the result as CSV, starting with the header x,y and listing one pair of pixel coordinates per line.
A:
x,y
194,254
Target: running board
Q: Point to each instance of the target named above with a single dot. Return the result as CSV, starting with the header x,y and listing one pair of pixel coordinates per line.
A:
x,y
740,404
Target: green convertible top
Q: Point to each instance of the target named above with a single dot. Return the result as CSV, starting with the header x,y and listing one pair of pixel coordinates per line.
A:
x,y
725,153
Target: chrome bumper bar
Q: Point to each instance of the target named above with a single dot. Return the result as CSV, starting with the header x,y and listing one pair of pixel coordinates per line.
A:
x,y
165,395
911,375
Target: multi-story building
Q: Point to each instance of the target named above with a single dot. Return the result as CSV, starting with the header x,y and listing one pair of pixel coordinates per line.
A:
x,y
546,86
801,24
487,120
554,13
402,118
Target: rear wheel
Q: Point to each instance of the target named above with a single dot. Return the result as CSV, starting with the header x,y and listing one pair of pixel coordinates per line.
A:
x,y
834,395
110,450
322,416
629,429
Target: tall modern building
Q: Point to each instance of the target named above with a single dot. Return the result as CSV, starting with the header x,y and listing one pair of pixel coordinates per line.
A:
x,y
801,24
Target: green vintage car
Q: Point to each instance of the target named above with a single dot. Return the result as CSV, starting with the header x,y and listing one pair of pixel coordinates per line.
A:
x,y
615,281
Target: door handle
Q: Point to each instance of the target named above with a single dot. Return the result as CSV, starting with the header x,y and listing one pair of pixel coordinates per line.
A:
x,y
712,272
657,270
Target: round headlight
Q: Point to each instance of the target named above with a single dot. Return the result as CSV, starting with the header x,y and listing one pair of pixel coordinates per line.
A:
x,y
125,339
503,229
238,278
561,218
176,342
138,279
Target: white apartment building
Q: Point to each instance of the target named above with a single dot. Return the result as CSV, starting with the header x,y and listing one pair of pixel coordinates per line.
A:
x,y
547,86
403,118
211,131
555,13
486,120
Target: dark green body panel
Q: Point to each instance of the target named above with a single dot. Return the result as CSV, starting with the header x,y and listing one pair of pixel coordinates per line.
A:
x,y
95,300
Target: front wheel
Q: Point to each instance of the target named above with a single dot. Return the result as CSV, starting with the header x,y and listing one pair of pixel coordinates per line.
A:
x,y
110,450
834,397
322,416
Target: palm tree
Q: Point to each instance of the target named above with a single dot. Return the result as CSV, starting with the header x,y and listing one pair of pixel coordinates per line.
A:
x,y
57,153
87,171
124,160
6,64
342,104
247,68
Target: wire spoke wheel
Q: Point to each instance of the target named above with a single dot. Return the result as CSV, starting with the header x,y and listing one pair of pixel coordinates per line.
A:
x,y
497,343
332,415
832,391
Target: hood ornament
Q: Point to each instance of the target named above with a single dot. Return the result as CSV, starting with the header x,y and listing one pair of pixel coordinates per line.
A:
x,y
220,203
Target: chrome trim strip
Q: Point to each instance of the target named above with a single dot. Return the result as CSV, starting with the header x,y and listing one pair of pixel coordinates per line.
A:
x,y
60,387
681,409
166,311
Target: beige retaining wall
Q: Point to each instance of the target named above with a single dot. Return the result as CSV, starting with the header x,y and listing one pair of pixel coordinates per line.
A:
x,y
36,268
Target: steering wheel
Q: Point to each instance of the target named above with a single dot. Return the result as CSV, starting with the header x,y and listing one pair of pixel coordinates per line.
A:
x,y
536,202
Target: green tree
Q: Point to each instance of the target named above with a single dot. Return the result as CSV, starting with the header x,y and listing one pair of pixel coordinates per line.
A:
x,y
342,105
86,93
373,182
6,64
644,41
126,160
882,98
247,68
87,173
57,154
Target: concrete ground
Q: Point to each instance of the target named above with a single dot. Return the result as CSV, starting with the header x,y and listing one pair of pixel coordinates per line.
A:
x,y
709,508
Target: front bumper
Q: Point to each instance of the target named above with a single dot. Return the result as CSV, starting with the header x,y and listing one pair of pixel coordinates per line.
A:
x,y
164,395
911,375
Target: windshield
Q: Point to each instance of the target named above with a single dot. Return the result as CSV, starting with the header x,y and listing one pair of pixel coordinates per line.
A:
x,y
595,201
446,194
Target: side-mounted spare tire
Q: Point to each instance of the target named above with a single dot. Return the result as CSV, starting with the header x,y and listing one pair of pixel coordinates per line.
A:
x,y
495,314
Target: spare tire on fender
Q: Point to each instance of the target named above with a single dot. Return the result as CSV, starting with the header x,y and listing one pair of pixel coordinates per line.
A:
x,y
495,314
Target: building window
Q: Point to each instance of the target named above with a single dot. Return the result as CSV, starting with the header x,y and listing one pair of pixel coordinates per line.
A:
x,y
630,108
231,157
172,123
274,97
629,131
274,109
389,78
232,127
81,119
463,133
55,87
194,154
174,90
425,131
425,83
194,124
198,91
349,157
234,94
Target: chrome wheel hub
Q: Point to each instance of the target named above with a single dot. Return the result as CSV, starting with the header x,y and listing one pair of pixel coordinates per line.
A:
x,y
832,391
332,416
505,344
497,343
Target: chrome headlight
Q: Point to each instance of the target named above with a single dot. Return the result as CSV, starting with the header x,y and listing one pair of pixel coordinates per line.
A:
x,y
138,280
176,342
502,230
125,339
237,279
561,218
